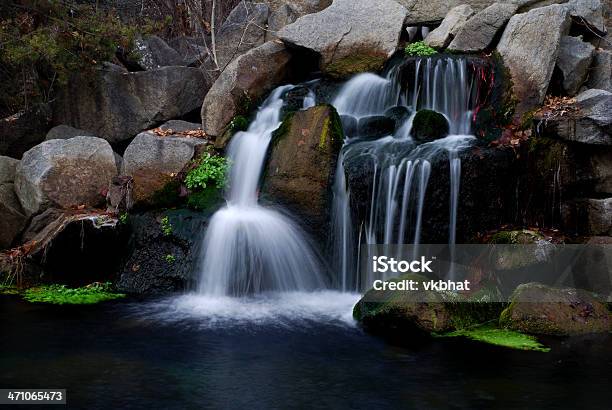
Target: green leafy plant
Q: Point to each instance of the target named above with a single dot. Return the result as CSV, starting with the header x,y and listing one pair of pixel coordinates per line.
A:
x,y
62,295
123,218
170,258
166,226
238,123
211,169
420,49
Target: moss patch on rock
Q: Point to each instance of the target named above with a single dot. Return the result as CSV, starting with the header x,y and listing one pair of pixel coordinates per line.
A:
x,y
355,63
429,125
499,337
62,295
518,237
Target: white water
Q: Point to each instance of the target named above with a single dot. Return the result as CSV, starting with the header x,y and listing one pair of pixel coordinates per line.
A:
x,y
249,249
401,168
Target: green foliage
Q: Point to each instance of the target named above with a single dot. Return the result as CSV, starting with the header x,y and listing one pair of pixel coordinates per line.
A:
x,y
170,258
61,295
166,226
205,199
42,42
419,49
8,290
500,337
238,123
124,218
211,169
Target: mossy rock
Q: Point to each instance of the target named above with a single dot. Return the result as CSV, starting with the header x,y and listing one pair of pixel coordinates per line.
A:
x,y
516,237
543,310
490,334
354,64
207,200
429,125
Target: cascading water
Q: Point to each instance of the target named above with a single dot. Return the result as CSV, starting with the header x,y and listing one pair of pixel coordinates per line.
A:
x,y
248,248
401,167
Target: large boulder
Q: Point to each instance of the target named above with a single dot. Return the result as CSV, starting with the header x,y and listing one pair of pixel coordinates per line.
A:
x,y
589,12
351,36
589,123
478,32
540,309
601,169
429,125
245,80
600,76
243,30
12,219
302,163
574,61
22,131
64,132
152,52
8,167
116,106
529,48
153,161
432,11
450,26
587,216
65,174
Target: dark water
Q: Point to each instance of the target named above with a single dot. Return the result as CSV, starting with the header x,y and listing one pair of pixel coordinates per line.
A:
x,y
127,355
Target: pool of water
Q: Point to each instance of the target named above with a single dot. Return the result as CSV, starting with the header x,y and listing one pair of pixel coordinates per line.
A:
x,y
278,351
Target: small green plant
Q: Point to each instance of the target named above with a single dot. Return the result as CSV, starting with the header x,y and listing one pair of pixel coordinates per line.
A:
x,y
170,258
420,49
238,123
123,218
211,169
62,295
8,290
166,226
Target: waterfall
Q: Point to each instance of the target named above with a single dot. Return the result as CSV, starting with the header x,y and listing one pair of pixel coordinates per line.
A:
x,y
401,168
248,248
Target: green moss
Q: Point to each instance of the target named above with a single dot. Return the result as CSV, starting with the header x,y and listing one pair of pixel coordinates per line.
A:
x,y
238,123
168,196
356,63
61,295
205,200
499,337
420,49
332,134
8,290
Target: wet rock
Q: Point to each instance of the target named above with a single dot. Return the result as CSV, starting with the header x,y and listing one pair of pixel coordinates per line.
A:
x,y
117,106
540,309
64,132
153,162
398,114
153,52
478,32
587,216
12,218
300,171
161,263
529,48
246,79
351,36
375,126
119,198
429,125
65,174
350,125
22,131
574,60
590,123
451,25
600,75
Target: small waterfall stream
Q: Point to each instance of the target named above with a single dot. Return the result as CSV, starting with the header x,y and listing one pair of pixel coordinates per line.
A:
x,y
249,249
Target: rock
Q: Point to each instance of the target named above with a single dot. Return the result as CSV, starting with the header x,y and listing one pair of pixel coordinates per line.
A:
x,y
600,76
153,53
590,12
8,166
351,36
191,49
375,126
529,48
587,216
543,310
574,60
245,80
65,174
601,170
153,161
12,218
399,114
302,163
179,126
118,162
451,25
22,131
117,106
243,30
350,125
429,125
119,198
64,132
591,122
160,263
433,11
280,18
478,32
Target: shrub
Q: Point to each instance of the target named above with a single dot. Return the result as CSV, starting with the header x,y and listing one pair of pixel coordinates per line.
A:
x,y
210,170
420,49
